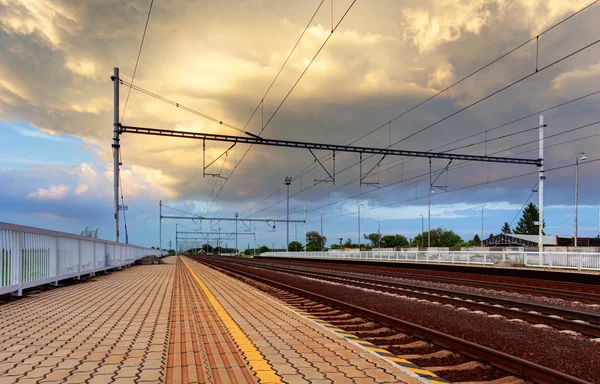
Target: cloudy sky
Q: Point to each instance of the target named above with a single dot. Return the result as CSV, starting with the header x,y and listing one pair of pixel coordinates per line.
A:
x,y
219,58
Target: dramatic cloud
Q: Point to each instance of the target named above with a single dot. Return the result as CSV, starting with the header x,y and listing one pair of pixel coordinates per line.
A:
x,y
219,58
55,192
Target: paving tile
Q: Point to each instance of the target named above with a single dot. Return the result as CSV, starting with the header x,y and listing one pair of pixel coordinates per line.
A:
x,y
68,334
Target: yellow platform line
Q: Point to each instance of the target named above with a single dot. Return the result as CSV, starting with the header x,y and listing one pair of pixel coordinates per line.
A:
x,y
261,367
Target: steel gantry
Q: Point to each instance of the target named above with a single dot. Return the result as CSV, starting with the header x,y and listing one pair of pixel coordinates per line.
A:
x,y
322,146
252,139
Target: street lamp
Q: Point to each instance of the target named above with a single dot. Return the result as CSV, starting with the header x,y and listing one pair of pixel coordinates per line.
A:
x,y
322,214
432,188
421,230
287,181
580,156
359,205
378,234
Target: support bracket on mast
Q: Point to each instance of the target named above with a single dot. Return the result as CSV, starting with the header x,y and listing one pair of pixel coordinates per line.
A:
x,y
361,182
331,178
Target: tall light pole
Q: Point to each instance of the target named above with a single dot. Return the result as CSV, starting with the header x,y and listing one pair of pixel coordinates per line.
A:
x,y
421,230
542,178
580,156
378,234
359,205
322,214
481,225
429,208
236,233
287,181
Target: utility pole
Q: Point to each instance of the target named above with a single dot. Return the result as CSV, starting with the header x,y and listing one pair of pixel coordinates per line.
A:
x,y
236,233
176,249
322,214
481,225
287,181
160,225
359,205
254,239
580,156
421,230
219,241
542,177
429,209
273,246
116,146
305,239
378,235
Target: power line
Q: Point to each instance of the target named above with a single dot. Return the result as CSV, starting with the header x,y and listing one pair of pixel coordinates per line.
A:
x,y
533,190
283,101
284,63
457,166
479,70
137,60
498,91
185,108
463,188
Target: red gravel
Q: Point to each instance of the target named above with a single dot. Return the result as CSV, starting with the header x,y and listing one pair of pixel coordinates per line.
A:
x,y
579,358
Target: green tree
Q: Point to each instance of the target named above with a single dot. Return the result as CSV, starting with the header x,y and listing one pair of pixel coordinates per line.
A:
x,y
374,238
526,225
348,244
295,246
394,241
263,249
312,247
440,237
506,228
476,240
90,232
208,249
334,246
313,238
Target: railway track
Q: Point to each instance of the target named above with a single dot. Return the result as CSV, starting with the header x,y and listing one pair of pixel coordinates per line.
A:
x,y
584,323
570,292
452,358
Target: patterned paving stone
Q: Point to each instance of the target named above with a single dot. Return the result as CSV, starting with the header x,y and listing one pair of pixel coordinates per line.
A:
x,y
84,332
299,350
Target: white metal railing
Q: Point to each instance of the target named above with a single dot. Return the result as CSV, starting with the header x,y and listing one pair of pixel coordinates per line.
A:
x,y
564,260
32,256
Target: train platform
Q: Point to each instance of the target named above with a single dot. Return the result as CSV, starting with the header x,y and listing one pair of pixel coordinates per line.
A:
x,y
179,322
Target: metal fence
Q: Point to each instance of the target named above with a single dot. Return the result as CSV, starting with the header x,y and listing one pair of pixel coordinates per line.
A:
x,y
563,260
32,256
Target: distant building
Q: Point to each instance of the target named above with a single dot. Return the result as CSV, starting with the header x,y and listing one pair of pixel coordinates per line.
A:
x,y
527,241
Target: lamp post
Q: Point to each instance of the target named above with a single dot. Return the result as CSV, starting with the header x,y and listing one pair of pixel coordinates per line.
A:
x,y
481,225
359,205
287,181
322,214
580,156
378,234
421,230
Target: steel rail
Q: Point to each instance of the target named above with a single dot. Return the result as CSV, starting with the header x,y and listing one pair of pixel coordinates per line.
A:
x,y
498,359
436,294
591,298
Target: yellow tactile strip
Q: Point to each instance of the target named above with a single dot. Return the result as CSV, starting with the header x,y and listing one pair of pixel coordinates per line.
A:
x,y
405,364
299,350
263,370
107,329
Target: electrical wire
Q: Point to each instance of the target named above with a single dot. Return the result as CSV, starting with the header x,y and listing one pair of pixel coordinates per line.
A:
x,y
137,60
283,101
261,102
457,166
533,190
